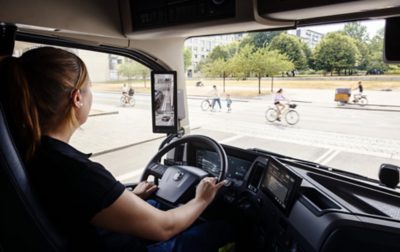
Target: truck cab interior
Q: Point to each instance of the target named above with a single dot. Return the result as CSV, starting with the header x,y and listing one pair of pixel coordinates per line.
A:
x,y
288,204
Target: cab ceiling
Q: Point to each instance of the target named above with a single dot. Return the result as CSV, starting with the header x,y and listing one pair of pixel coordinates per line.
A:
x,y
110,21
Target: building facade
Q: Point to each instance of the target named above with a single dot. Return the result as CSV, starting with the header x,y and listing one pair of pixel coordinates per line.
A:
x,y
310,37
200,47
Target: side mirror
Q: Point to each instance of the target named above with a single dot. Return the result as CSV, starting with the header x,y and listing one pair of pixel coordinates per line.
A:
x,y
389,175
392,38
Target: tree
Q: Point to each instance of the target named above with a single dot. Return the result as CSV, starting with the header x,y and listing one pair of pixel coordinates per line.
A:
x,y
224,52
219,52
218,68
357,31
259,39
336,51
134,69
292,47
187,58
269,63
376,49
242,62
127,70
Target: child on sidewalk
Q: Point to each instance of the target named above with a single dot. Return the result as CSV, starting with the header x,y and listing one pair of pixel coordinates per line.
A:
x,y
228,102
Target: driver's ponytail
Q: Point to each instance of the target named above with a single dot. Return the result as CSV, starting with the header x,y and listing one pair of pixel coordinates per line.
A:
x,y
20,108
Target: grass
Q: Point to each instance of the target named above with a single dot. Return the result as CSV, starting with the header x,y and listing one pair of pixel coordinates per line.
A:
x,y
249,88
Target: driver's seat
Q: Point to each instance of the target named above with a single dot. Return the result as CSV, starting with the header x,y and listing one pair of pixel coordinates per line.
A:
x,y
23,224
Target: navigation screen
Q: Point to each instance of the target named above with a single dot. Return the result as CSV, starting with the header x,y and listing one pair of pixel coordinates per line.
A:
x,y
280,183
209,161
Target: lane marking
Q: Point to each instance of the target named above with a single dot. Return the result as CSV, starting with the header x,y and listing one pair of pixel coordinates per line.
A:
x,y
230,139
328,152
329,158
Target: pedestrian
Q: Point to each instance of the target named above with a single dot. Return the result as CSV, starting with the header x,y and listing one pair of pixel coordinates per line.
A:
x,y
228,102
215,98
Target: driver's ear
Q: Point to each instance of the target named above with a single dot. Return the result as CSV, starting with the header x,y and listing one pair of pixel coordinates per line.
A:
x,y
76,97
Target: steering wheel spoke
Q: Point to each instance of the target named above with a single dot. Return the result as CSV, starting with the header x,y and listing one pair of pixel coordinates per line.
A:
x,y
157,170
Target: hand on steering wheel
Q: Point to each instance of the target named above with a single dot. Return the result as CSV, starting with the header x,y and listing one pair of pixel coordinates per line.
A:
x,y
208,188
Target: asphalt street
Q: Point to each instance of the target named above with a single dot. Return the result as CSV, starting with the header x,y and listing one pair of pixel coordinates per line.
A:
x,y
350,137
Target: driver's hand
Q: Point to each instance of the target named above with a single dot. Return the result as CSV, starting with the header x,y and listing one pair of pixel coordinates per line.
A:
x,y
208,188
144,189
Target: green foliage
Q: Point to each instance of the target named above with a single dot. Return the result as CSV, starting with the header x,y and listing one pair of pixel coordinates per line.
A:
x,y
376,54
187,58
217,68
347,50
357,31
242,62
337,52
259,39
219,52
393,69
225,52
134,69
292,47
270,63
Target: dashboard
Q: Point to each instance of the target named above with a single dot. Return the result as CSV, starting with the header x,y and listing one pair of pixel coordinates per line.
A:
x,y
297,207
238,167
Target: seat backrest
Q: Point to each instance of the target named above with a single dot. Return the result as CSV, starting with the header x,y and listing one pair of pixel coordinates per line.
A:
x,y
23,224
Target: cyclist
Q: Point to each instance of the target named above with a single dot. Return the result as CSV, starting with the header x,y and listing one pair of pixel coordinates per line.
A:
x,y
124,89
131,92
360,89
278,102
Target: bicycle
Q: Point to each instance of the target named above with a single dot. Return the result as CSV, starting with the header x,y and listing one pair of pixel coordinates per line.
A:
x,y
206,104
127,100
291,115
360,99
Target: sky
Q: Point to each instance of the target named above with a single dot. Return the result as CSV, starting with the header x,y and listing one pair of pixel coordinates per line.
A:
x,y
372,27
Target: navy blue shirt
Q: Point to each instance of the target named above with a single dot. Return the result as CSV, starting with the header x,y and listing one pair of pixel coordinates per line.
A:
x,y
72,190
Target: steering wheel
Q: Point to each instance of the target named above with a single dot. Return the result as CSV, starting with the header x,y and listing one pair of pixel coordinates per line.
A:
x,y
177,182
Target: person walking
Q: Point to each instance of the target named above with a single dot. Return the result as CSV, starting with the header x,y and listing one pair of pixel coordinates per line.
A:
x,y
215,98
228,102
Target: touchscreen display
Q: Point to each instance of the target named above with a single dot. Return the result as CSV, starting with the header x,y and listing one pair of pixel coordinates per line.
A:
x,y
280,183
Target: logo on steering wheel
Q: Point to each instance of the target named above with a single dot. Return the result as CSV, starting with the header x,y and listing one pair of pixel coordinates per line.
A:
x,y
178,176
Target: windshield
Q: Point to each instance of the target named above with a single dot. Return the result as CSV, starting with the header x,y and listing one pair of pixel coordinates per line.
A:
x,y
322,94
345,98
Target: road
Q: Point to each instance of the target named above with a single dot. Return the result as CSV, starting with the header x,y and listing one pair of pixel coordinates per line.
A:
x,y
350,138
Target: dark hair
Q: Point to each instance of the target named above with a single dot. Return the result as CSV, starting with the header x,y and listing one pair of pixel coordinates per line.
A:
x,y
279,90
37,93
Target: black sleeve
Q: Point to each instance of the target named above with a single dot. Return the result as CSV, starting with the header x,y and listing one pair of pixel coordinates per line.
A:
x,y
98,190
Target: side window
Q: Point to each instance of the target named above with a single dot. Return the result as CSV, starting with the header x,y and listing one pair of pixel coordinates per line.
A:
x,y
119,127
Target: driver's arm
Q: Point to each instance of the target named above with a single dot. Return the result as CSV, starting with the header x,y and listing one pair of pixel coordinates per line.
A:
x,y
130,214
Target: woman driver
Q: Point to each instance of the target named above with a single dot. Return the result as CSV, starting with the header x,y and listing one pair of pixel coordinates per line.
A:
x,y
49,92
